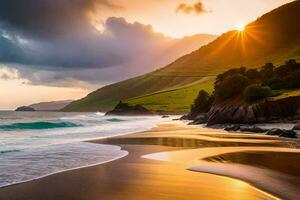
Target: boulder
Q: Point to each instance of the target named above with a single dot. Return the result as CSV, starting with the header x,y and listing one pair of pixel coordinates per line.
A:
x,y
25,109
200,119
165,116
289,134
253,129
282,133
234,127
297,127
184,117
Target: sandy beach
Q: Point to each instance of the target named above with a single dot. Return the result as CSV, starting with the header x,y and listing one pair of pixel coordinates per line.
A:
x,y
176,161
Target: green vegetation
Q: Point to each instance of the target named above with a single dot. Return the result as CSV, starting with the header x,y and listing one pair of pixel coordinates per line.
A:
x,y
256,92
202,103
284,77
178,100
257,84
231,85
287,93
272,37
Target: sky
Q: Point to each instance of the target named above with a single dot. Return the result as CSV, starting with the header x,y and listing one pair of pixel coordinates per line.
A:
x,y
64,49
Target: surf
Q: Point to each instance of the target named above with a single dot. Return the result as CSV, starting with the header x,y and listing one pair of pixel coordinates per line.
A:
x,y
38,125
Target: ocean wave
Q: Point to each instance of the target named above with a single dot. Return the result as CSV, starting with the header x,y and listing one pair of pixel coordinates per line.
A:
x,y
115,120
100,114
9,151
38,125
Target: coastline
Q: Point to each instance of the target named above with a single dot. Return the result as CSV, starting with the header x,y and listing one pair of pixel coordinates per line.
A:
x,y
163,138
62,171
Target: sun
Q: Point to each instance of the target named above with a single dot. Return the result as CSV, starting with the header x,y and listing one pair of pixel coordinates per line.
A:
x,y
240,26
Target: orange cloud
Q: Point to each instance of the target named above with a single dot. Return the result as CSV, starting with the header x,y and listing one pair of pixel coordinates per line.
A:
x,y
197,8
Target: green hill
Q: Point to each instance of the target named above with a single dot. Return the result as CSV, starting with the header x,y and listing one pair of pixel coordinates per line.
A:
x,y
274,37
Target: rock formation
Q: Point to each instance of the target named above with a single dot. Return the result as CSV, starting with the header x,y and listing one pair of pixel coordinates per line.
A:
x,y
125,109
238,112
25,108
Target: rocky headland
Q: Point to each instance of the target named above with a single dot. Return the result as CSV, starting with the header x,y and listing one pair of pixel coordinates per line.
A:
x,y
127,110
237,115
25,109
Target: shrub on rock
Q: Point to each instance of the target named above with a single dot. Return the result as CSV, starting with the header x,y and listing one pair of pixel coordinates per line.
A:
x,y
256,92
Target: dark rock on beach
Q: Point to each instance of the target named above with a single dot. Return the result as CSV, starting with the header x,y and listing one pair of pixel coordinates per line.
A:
x,y
200,119
245,128
253,129
297,127
232,128
125,109
282,133
184,117
25,109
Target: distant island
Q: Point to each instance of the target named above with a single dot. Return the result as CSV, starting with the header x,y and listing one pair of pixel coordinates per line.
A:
x,y
50,106
46,106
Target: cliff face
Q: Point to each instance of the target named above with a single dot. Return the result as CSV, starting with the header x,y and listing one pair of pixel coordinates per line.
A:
x,y
266,111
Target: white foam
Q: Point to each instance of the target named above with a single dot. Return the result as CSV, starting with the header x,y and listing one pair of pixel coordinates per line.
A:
x,y
29,154
30,164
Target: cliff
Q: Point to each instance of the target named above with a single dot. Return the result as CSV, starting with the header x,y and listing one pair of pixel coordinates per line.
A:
x,y
239,112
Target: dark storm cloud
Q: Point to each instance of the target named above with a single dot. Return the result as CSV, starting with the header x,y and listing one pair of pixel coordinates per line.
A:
x,y
54,41
54,33
50,19
196,8
9,50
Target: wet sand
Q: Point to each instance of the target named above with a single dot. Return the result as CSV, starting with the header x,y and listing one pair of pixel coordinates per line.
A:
x,y
156,168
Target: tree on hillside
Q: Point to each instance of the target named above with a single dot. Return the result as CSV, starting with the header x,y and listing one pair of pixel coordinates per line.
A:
x,y
253,74
256,92
202,103
267,71
231,86
231,72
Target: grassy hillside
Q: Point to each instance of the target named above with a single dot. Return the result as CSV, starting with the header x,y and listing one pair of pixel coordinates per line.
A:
x,y
286,94
274,37
178,100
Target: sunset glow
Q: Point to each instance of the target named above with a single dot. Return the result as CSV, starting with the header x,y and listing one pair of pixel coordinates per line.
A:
x,y
240,27
90,43
90,89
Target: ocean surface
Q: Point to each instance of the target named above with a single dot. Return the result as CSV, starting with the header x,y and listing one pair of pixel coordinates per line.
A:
x,y
37,144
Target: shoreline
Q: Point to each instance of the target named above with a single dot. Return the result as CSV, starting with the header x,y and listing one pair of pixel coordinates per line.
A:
x,y
177,132
63,171
46,173
91,140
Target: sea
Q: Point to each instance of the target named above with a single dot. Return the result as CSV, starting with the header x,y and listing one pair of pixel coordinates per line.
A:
x,y
38,144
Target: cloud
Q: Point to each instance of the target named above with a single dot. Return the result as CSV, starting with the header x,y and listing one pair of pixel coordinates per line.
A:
x,y
7,73
51,19
90,56
197,8
54,42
